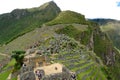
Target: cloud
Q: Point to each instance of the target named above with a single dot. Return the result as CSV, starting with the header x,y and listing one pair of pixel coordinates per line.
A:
x,y
90,8
118,4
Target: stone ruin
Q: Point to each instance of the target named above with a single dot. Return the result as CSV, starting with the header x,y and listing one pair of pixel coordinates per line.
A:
x,y
29,70
39,58
29,73
64,75
26,73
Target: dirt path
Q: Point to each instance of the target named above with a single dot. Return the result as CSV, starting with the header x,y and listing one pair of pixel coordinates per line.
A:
x,y
6,55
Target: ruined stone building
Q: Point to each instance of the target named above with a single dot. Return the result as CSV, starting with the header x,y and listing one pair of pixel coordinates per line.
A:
x,y
37,67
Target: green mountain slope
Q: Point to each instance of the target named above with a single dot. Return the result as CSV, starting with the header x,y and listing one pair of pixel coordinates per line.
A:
x,y
88,34
21,21
84,48
68,17
112,28
99,42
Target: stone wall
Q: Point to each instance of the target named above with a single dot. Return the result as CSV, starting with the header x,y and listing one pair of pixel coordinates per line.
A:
x,y
64,75
26,73
60,76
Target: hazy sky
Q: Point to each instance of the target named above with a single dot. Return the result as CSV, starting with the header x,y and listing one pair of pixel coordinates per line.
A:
x,y
90,8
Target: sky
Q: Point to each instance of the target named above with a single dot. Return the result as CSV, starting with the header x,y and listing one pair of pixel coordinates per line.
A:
x,y
90,8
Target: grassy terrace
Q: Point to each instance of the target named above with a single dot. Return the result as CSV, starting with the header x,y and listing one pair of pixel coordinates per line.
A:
x,y
76,58
10,64
86,68
4,75
7,70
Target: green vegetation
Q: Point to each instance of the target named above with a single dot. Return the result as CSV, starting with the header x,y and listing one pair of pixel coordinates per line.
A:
x,y
69,30
21,21
14,78
75,33
7,70
112,28
68,17
1,57
86,36
10,64
4,75
74,53
18,56
102,44
76,57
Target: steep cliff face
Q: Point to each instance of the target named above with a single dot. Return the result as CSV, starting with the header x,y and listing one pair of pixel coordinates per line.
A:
x,y
103,46
94,39
111,57
112,28
99,42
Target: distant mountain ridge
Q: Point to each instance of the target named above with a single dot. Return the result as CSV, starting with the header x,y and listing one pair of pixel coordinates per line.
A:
x,y
102,21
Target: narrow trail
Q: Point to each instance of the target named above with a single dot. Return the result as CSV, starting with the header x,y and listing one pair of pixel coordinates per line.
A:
x,y
6,55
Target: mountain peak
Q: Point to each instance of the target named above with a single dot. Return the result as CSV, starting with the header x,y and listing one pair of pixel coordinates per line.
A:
x,y
51,2
22,19
48,5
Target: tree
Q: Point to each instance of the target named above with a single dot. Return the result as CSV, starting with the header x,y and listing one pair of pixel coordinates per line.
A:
x,y
18,56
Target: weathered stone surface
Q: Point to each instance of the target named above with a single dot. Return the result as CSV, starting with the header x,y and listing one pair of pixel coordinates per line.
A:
x,y
28,76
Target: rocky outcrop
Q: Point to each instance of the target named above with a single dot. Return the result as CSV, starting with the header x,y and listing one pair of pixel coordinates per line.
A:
x,y
99,42
103,47
19,13
14,15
